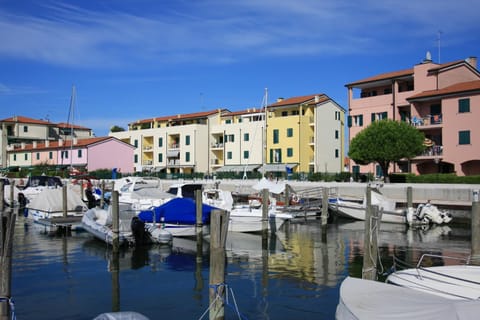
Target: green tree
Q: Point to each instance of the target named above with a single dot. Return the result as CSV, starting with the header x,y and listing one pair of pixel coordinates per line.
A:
x,y
384,142
116,129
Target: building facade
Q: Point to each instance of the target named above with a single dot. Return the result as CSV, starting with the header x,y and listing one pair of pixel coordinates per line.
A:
x,y
439,99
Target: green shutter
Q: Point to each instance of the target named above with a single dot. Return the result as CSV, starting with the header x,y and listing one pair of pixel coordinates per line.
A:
x,y
373,117
349,121
464,137
360,120
463,105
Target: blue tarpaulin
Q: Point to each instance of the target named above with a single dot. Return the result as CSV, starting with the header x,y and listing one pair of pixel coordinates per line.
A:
x,y
177,210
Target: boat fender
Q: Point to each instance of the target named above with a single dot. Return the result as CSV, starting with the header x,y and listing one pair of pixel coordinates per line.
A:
x,y
295,199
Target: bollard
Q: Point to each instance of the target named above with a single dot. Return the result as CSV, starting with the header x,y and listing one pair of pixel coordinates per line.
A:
x,y
102,198
64,201
198,209
409,197
287,196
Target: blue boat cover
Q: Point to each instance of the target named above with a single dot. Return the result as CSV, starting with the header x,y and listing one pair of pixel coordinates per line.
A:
x,y
178,211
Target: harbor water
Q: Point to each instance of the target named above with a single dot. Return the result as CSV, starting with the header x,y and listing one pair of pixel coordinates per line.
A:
x,y
293,274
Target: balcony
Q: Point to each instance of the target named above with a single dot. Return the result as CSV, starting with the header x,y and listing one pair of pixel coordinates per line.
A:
x,y
428,120
147,162
217,145
431,152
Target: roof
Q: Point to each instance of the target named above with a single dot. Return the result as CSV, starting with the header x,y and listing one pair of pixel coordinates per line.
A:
x,y
184,116
70,125
407,72
22,119
244,112
52,145
383,76
458,88
300,100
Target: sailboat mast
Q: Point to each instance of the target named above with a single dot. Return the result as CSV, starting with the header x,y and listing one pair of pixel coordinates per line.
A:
x,y
264,154
70,117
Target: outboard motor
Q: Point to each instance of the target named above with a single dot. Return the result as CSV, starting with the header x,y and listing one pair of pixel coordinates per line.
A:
x,y
139,232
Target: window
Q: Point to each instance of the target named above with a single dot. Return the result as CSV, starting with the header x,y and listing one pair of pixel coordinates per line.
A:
x,y
337,115
229,155
25,128
135,143
187,140
228,121
135,158
379,116
289,152
50,155
160,142
64,155
289,132
275,155
229,138
336,134
246,137
14,157
79,155
38,155
160,157
187,156
26,156
295,113
336,153
464,137
284,113
355,121
275,136
246,154
463,105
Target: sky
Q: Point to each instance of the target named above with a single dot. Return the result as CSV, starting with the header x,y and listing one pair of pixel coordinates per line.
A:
x,y
136,59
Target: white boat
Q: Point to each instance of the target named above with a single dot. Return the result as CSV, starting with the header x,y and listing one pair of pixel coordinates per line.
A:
x,y
36,184
423,214
132,231
457,282
47,207
141,192
250,219
372,300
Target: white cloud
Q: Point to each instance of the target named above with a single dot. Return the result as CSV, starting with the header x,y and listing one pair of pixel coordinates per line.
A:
x,y
215,31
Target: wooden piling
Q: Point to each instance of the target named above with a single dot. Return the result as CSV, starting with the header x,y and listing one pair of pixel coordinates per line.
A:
x,y
475,225
12,193
324,206
64,201
287,195
409,197
218,236
7,225
198,209
370,247
115,221
2,194
102,199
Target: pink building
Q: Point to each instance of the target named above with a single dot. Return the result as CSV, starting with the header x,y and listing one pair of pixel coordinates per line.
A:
x,y
90,154
441,100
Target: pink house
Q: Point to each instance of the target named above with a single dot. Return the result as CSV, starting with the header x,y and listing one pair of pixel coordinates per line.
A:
x,y
91,154
441,100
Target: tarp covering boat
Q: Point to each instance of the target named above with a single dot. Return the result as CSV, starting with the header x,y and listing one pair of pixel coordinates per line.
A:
x,y
366,299
177,210
51,200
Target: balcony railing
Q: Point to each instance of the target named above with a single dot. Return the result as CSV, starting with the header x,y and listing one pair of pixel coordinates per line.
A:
x,y
427,120
147,162
217,145
432,151
173,146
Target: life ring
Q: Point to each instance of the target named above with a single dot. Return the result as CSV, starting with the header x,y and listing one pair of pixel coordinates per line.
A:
x,y
295,199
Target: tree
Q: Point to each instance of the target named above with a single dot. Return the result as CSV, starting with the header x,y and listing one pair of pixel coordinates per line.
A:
x,y
116,129
386,141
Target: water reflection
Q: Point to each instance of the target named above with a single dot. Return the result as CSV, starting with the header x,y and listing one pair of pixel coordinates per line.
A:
x,y
294,273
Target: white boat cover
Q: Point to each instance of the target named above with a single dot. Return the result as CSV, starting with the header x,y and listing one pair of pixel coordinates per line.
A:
x,y
366,299
51,200
122,315
275,187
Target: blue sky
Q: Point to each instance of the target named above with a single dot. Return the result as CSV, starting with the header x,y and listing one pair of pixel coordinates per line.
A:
x,y
136,59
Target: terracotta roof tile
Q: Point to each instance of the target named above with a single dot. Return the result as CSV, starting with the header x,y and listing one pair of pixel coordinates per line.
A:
x,y
66,144
22,119
300,100
184,116
69,125
463,87
383,76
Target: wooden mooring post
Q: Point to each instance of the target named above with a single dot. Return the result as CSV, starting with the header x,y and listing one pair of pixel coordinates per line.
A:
x,y
218,237
199,238
370,247
115,221
12,193
324,215
7,228
475,225
409,197
2,195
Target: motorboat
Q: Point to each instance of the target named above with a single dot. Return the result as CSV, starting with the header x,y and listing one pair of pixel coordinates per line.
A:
x,y
178,216
456,281
47,207
368,299
132,231
218,198
250,219
424,214
36,184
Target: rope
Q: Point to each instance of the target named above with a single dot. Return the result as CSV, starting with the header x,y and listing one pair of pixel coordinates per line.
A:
x,y
218,296
12,306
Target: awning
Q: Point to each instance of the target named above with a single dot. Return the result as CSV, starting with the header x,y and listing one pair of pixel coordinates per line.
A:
x,y
238,168
173,154
277,167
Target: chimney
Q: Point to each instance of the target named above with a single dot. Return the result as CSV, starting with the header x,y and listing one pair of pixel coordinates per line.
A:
x,y
279,99
34,144
75,141
60,142
22,145
47,143
472,61
317,98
